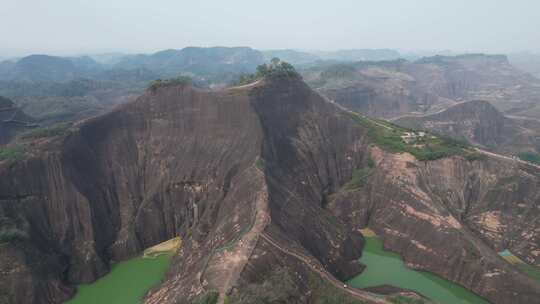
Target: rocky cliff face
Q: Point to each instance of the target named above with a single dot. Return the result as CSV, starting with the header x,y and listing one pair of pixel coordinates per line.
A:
x,y
475,121
251,177
135,177
481,124
451,217
395,88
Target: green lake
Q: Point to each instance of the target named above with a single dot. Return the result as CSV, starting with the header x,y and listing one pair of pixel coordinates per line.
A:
x,y
385,267
127,282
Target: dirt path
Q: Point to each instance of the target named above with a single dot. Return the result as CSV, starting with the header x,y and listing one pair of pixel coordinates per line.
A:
x,y
229,261
315,266
495,155
356,113
252,84
477,149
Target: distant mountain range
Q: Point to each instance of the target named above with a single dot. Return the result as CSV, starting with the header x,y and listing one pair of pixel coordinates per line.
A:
x,y
481,124
204,63
208,65
389,89
201,63
373,81
321,57
528,62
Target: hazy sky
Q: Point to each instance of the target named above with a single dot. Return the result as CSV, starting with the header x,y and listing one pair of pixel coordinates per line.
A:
x,y
79,26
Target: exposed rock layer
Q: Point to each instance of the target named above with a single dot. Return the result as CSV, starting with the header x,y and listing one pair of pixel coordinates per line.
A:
x,y
481,124
219,168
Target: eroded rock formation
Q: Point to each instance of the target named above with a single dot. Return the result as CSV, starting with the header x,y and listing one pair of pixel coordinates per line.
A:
x,y
251,177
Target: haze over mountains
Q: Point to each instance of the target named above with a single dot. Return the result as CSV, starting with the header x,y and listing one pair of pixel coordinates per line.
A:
x,y
112,77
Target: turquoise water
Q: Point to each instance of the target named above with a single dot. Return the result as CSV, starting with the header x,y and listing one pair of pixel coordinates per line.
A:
x,y
127,282
385,267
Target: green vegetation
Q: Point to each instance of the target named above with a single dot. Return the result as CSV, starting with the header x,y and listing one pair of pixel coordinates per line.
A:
x,y
426,147
273,70
530,270
338,71
12,234
12,153
405,300
159,83
210,297
530,157
472,156
359,179
56,130
127,283
371,163
277,287
325,293
260,164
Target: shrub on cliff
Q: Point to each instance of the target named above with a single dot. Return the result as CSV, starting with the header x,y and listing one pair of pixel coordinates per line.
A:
x,y
277,287
210,297
276,69
359,179
159,83
11,153
12,234
56,130
530,157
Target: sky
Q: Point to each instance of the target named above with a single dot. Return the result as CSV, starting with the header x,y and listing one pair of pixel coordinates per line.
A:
x,y
64,27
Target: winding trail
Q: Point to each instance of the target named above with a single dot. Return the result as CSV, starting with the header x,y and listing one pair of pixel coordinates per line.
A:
x,y
315,266
229,260
495,155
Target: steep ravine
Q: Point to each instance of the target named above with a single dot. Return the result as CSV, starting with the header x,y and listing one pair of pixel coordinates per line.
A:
x,y
451,217
124,181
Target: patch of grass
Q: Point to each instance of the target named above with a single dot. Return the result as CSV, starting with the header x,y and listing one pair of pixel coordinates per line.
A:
x,y
359,179
260,163
371,163
160,83
390,138
399,299
530,157
12,153
278,286
324,293
273,70
472,156
338,71
210,297
532,271
56,130
12,234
